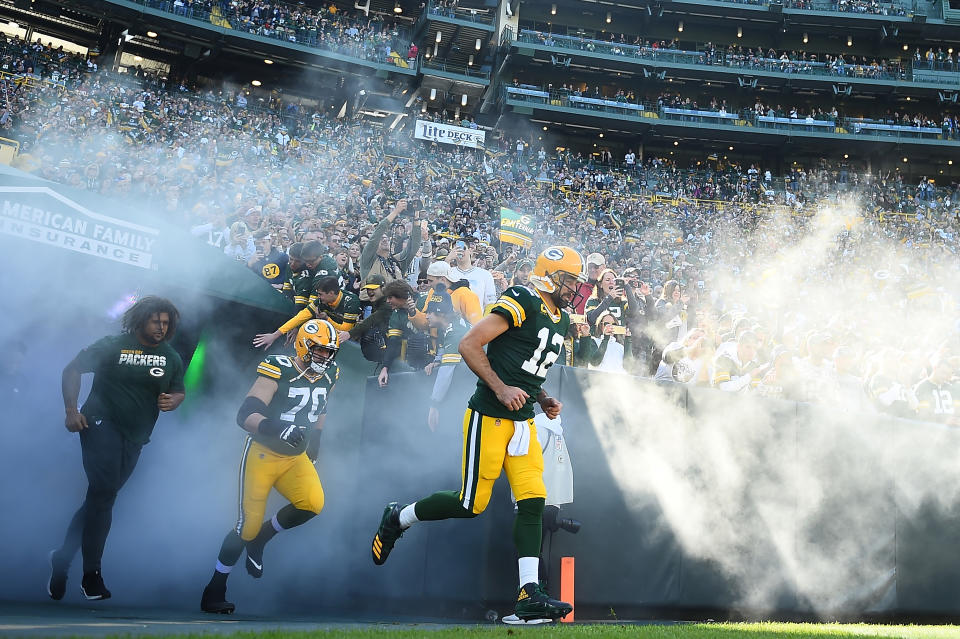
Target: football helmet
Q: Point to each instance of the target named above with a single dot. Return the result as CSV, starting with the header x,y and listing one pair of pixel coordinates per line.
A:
x,y
317,334
548,271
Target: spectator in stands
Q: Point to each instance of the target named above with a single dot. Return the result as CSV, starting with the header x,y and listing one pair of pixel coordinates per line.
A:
x,y
938,396
377,257
595,266
735,367
462,268
268,261
465,302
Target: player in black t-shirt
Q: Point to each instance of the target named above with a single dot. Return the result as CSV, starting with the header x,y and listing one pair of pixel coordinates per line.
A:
x,y
136,375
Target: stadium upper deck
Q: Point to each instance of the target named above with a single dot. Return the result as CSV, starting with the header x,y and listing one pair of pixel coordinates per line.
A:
x,y
776,82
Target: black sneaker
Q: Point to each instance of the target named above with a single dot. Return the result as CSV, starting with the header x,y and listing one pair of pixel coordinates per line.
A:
x,y
535,606
92,586
255,558
214,600
57,584
388,533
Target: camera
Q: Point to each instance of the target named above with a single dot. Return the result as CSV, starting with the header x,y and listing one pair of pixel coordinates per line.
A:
x,y
552,521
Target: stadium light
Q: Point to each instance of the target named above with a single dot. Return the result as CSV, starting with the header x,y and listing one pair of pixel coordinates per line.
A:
x,y
906,47
849,41
609,18
553,9
675,143
433,94
151,34
950,162
439,36
904,159
729,148
680,27
423,108
267,61
478,44
256,83
397,8
463,100
739,32
846,156
805,38
601,135
544,128
470,60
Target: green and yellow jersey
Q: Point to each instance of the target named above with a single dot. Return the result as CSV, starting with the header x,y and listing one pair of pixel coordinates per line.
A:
x,y
299,287
343,313
326,268
522,354
298,400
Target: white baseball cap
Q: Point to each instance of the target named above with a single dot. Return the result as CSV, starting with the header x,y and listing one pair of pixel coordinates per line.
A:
x,y
439,269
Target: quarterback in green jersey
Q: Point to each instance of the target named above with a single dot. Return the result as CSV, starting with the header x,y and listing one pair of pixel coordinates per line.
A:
x,y
523,334
284,413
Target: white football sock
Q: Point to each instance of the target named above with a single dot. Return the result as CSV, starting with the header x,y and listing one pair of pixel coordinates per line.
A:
x,y
529,570
408,516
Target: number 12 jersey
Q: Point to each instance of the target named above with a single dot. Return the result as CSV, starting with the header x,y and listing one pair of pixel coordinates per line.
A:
x,y
522,354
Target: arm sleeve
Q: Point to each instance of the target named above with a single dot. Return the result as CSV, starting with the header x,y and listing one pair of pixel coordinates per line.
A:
x,y
395,331
442,384
298,319
411,252
90,358
510,306
176,382
369,253
376,317
468,305
595,307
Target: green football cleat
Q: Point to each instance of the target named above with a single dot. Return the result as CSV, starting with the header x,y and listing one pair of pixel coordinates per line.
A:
x,y
535,606
388,533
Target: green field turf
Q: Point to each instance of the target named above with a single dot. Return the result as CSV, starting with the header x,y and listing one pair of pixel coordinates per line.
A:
x,y
604,631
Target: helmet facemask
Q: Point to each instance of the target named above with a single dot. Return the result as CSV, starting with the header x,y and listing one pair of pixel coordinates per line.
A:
x,y
562,283
326,354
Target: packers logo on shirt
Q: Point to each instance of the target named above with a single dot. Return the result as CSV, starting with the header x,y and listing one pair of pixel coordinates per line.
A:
x,y
156,372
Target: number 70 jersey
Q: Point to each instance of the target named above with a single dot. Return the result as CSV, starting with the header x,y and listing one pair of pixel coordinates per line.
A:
x,y
521,355
297,400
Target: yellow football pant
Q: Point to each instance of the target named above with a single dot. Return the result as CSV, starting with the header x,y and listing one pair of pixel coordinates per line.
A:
x,y
261,469
485,442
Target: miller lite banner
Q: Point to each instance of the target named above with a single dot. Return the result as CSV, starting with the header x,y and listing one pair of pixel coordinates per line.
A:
x,y
449,134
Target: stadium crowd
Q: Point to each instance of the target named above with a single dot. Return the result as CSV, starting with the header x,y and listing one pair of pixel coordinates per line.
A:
x,y
685,268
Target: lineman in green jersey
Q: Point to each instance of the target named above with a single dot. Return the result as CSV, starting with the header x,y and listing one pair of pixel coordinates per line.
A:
x,y
288,399
523,334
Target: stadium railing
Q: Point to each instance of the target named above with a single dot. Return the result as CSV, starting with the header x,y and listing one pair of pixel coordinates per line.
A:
x,y
458,69
643,111
306,36
738,62
457,13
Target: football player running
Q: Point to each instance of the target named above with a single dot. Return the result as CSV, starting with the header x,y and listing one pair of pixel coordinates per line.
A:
x,y
524,334
284,412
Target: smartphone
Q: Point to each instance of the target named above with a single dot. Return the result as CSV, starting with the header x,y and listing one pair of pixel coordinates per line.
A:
x,y
619,330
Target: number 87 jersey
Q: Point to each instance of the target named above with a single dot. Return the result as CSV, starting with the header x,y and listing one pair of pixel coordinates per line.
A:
x,y
521,355
298,400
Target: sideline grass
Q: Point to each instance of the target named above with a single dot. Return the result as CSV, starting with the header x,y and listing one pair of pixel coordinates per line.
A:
x,y
611,631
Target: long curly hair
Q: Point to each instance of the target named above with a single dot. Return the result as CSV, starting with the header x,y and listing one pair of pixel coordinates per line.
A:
x,y
137,316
